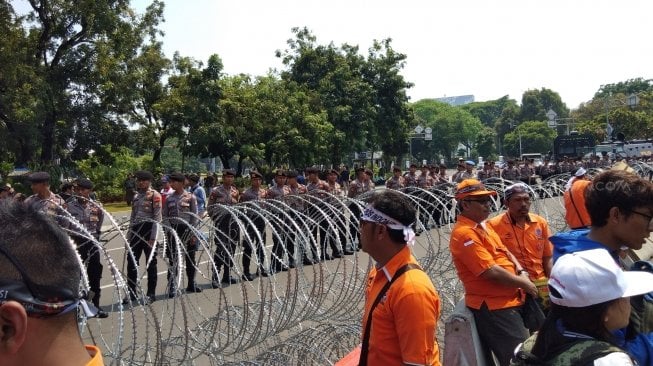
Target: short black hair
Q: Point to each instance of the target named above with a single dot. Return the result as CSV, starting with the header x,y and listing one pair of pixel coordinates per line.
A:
x,y
397,206
616,188
35,241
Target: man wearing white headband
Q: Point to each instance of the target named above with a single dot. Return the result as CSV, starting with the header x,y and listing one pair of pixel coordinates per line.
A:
x,y
401,304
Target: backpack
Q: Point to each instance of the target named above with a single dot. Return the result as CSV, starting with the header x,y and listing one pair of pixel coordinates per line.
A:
x,y
578,353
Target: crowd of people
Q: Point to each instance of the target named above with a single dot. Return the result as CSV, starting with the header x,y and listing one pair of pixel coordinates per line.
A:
x,y
505,262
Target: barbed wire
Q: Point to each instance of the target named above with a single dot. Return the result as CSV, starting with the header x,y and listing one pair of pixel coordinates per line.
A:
x,y
308,315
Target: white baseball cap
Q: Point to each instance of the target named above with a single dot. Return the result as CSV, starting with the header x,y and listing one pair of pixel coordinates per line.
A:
x,y
592,277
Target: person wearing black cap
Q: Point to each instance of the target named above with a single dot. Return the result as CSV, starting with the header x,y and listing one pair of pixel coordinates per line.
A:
x,y
277,192
363,183
66,190
336,242
88,213
319,225
48,202
294,200
227,236
144,223
180,214
256,229
396,181
411,176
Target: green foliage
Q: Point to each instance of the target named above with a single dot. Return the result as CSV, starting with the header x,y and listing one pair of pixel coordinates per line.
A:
x,y
489,112
450,126
109,171
535,104
630,86
536,136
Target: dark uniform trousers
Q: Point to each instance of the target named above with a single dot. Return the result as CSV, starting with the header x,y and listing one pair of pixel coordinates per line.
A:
x,y
225,243
354,231
329,237
138,242
91,258
285,242
172,252
257,226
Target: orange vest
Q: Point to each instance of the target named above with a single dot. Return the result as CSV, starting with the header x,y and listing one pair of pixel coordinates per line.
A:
x,y
576,214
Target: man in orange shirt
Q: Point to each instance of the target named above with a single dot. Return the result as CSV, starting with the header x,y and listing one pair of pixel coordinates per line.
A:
x,y
576,214
40,276
525,234
494,280
401,305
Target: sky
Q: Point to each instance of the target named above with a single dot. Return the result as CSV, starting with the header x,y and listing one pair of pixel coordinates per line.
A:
x,y
488,48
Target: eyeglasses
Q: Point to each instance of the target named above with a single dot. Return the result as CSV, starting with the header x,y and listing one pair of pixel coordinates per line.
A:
x,y
649,217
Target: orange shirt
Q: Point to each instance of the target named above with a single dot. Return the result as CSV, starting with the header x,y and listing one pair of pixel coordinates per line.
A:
x,y
529,244
475,249
404,323
576,214
96,356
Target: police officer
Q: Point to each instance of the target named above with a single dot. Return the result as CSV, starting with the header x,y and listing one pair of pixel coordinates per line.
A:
x,y
296,203
180,214
254,193
89,214
277,192
48,202
144,223
227,237
396,181
363,183
334,200
316,187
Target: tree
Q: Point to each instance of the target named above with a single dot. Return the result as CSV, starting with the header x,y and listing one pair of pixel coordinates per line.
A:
x,y
535,136
630,86
535,104
67,44
450,126
488,112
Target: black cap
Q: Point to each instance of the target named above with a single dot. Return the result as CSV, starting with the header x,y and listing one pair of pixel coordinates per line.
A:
x,y
333,171
396,168
291,174
228,172
280,172
255,174
194,178
143,175
177,177
39,177
360,169
84,183
312,170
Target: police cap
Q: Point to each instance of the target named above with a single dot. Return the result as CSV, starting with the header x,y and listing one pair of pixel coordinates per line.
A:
x,y
84,183
280,173
194,178
312,170
39,177
369,172
333,171
228,172
177,177
143,175
291,174
255,174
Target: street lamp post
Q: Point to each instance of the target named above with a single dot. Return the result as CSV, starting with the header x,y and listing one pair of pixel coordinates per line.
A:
x,y
419,133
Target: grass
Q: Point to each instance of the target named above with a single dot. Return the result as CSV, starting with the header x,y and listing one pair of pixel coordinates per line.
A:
x,y
116,207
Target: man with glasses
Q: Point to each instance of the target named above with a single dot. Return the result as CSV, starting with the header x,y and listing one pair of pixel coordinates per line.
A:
x,y
494,281
402,306
620,206
40,277
526,235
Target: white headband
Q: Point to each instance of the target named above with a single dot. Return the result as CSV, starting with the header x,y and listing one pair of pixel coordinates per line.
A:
x,y
373,215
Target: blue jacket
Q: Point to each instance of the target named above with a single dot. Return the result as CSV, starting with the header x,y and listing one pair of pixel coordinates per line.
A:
x,y
640,347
